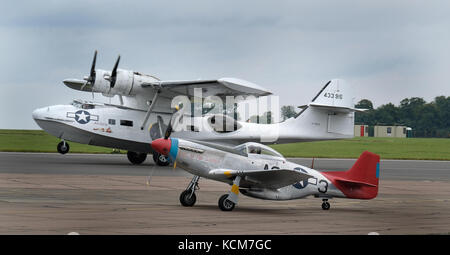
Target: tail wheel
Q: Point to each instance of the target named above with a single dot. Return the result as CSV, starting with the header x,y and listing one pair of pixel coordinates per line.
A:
x,y
63,147
225,204
187,198
326,206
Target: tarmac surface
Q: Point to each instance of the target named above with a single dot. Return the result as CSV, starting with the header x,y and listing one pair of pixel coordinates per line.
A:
x,y
105,194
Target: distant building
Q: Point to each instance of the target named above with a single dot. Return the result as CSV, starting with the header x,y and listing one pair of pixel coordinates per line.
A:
x,y
361,130
390,131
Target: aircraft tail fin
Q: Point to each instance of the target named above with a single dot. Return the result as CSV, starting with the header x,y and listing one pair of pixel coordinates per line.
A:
x,y
360,181
331,111
336,94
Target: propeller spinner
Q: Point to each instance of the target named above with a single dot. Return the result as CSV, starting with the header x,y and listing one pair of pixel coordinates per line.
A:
x,y
163,145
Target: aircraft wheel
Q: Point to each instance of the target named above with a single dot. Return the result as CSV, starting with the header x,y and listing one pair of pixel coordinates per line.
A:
x,y
186,199
225,204
326,206
160,160
63,147
136,158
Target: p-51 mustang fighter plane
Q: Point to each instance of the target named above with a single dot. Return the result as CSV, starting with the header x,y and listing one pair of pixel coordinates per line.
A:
x,y
145,108
258,171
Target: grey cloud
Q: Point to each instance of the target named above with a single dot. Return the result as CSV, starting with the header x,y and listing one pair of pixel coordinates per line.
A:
x,y
389,50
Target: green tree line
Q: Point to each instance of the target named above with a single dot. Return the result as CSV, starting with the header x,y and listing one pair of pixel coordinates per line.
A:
x,y
426,119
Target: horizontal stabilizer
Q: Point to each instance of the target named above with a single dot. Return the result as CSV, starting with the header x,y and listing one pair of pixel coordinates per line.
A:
x,y
342,109
350,182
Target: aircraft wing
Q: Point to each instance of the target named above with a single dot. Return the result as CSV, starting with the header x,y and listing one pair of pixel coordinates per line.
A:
x,y
77,84
271,179
221,88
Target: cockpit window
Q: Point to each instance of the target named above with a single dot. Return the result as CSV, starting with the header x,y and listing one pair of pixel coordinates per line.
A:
x,y
76,104
270,153
82,105
241,149
255,149
88,106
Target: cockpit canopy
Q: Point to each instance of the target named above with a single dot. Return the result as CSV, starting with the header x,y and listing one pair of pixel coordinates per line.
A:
x,y
257,149
85,104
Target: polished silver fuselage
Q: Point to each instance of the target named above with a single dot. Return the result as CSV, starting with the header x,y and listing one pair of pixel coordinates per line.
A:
x,y
200,159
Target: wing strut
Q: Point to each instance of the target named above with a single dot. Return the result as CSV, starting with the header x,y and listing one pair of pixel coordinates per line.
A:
x,y
150,108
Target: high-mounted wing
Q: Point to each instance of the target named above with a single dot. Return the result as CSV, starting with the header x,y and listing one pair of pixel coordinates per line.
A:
x,y
271,179
130,83
221,87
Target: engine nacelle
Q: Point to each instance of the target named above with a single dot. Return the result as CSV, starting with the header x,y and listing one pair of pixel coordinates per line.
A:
x,y
110,83
128,83
124,83
101,85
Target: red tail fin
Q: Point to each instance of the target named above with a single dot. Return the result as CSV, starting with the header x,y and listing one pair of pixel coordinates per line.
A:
x,y
360,181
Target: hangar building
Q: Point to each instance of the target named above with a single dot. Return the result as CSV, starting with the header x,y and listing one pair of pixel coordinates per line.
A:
x,y
382,131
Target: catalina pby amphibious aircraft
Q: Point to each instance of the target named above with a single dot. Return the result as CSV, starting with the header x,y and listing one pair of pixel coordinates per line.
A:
x,y
258,171
146,104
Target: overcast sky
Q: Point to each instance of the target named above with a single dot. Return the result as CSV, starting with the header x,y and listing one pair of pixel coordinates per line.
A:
x,y
389,50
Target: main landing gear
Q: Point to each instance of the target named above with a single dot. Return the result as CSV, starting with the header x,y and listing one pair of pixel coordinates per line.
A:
x,y
188,197
136,158
227,202
160,160
63,147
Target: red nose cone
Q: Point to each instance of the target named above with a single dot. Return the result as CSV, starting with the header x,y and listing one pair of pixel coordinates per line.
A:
x,y
162,146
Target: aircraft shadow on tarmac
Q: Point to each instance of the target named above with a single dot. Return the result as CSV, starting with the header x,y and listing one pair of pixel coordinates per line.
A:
x,y
101,163
277,211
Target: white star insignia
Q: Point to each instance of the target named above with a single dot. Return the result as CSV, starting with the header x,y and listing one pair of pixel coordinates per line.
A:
x,y
82,116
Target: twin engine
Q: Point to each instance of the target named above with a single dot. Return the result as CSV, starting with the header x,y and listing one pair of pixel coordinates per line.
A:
x,y
125,82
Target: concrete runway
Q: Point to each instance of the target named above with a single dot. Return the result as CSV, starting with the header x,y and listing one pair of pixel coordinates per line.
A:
x,y
104,194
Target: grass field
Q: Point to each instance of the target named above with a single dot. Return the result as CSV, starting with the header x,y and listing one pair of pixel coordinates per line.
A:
x,y
387,148
39,141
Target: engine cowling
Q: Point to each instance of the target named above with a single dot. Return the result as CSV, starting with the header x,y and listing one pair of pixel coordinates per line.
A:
x,y
128,83
124,83
101,84
110,83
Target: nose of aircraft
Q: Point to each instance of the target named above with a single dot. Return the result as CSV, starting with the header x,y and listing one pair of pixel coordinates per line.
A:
x,y
38,113
162,146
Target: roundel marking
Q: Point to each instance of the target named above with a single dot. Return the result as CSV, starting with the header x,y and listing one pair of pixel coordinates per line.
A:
x,y
300,184
82,116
